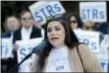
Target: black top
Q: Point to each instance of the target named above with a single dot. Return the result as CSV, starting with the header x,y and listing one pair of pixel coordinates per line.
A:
x,y
36,32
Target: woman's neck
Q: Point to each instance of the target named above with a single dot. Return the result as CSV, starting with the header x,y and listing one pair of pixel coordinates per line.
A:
x,y
60,46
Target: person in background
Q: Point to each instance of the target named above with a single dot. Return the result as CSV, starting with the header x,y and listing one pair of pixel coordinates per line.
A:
x,y
12,23
64,53
74,20
102,27
89,26
26,32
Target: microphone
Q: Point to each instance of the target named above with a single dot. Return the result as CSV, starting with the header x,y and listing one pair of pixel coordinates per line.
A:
x,y
37,50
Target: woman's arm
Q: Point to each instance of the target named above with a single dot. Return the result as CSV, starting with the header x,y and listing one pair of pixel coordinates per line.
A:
x,y
90,61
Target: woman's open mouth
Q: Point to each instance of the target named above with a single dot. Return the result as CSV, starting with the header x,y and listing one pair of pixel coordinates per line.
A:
x,y
55,38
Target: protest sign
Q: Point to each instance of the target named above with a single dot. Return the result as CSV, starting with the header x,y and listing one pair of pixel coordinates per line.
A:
x,y
6,48
90,38
93,11
44,9
25,47
105,64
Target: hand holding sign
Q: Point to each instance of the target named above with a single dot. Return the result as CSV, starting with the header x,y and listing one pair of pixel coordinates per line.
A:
x,y
15,47
36,24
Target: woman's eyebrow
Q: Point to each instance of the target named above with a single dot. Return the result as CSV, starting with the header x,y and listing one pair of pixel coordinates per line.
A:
x,y
57,26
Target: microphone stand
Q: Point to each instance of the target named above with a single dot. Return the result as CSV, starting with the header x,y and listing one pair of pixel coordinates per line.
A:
x,y
16,66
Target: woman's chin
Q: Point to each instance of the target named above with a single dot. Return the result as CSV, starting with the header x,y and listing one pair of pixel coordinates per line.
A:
x,y
54,44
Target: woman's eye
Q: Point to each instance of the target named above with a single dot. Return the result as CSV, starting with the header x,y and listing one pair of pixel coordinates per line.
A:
x,y
57,29
49,30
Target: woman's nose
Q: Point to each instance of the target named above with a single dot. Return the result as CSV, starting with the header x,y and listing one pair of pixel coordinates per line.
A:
x,y
53,32
27,21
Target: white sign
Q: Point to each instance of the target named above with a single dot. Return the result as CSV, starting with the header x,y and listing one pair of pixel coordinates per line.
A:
x,y
6,48
93,11
44,9
105,64
104,47
91,39
104,53
25,47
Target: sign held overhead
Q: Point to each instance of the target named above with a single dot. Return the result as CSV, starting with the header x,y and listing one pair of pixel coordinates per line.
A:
x,y
44,9
93,11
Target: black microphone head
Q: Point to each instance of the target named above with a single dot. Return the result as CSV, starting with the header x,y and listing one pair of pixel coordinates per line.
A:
x,y
39,48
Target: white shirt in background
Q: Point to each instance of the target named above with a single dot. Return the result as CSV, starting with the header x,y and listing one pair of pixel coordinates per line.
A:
x,y
25,34
11,37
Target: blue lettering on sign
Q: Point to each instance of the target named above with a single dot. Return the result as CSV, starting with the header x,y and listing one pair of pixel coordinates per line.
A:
x,y
88,43
101,14
4,50
104,65
83,14
57,7
93,44
95,14
38,16
92,14
22,52
88,13
42,10
49,10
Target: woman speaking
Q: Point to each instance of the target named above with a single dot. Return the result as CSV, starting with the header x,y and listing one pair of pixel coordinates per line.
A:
x,y
64,53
